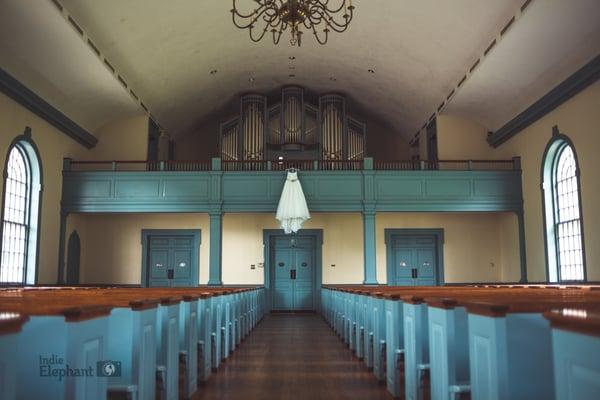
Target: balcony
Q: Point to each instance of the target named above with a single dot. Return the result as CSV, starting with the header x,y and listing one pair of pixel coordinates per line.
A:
x,y
254,186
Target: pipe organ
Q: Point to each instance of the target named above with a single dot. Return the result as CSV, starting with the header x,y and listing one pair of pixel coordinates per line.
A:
x,y
292,129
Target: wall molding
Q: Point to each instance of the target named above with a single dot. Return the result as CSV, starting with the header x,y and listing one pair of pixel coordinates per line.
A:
x,y
571,86
34,103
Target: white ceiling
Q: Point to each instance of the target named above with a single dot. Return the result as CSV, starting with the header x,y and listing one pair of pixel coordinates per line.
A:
x,y
551,40
419,50
40,49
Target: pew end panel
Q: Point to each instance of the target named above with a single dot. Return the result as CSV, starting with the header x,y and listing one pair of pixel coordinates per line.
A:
x,y
510,356
448,350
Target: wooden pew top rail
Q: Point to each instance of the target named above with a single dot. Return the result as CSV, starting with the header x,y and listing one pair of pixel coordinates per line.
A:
x,y
575,320
80,303
11,322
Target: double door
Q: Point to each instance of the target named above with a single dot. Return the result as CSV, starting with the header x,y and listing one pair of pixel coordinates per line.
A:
x,y
293,271
170,261
414,260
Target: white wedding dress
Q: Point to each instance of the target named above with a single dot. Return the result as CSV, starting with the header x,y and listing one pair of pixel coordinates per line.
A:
x,y
292,210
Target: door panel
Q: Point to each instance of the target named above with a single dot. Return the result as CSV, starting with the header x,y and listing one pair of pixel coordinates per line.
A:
x,y
171,261
414,260
403,265
293,273
283,286
425,266
303,285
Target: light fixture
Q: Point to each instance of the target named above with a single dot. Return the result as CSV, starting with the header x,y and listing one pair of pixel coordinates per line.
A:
x,y
276,16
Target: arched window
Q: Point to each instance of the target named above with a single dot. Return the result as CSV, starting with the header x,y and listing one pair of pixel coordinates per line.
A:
x,y
562,212
20,213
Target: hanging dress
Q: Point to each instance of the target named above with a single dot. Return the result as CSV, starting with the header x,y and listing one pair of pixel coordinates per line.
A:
x,y
292,210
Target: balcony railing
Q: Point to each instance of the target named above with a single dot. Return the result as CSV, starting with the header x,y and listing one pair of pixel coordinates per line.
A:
x,y
216,164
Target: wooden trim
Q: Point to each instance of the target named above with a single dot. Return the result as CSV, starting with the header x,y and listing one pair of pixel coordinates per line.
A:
x,y
573,322
34,103
77,314
140,305
12,324
571,86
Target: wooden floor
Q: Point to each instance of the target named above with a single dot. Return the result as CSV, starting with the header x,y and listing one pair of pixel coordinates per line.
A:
x,y
292,356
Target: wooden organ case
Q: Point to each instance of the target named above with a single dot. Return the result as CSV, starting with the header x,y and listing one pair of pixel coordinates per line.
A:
x,y
292,129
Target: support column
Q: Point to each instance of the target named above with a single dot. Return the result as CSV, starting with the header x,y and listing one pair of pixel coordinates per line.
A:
x,y
369,248
522,249
61,248
216,238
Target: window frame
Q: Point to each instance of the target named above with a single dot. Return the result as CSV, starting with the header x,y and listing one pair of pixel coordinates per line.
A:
x,y
25,145
552,153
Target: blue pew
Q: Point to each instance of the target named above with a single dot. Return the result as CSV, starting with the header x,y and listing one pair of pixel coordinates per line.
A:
x,y
10,326
576,353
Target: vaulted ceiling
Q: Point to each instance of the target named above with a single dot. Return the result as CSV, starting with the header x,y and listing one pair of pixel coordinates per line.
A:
x,y
419,51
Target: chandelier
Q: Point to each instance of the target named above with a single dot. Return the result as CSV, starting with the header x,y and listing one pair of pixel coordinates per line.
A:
x,y
276,16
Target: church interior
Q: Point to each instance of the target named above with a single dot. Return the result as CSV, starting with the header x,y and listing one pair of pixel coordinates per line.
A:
x,y
300,199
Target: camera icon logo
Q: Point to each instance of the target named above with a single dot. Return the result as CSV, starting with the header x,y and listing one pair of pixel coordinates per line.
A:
x,y
108,368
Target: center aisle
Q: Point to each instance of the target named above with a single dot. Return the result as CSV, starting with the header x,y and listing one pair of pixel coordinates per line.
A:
x,y
292,356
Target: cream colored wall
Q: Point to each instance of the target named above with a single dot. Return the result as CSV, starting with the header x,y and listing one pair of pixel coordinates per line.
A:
x,y
579,119
122,139
474,250
53,145
111,249
461,139
342,246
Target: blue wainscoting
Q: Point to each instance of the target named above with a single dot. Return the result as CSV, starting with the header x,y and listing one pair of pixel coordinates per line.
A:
x,y
259,191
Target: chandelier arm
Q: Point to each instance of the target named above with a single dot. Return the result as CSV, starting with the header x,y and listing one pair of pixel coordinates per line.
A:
x,y
318,14
316,35
251,23
336,27
325,6
277,36
262,35
235,11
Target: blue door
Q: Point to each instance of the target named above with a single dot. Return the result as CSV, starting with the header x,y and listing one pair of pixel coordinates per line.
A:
x,y
292,264
414,260
172,260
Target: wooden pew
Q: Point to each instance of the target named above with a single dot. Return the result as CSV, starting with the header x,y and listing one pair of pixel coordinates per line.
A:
x,y
10,326
409,304
510,345
182,332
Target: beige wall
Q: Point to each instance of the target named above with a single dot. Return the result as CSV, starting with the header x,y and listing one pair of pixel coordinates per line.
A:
x,y
111,249
478,247
53,145
579,119
461,139
123,139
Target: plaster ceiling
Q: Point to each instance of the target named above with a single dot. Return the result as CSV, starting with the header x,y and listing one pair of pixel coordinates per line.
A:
x,y
166,50
40,49
419,50
550,41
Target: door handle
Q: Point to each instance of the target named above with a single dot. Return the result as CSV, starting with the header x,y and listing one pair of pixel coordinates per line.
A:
x,y
170,274
292,274
415,273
